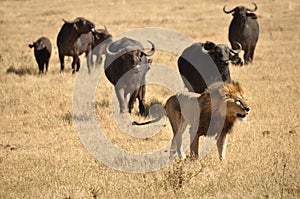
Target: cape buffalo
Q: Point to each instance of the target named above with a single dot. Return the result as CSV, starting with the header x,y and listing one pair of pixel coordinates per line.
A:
x,y
101,38
202,64
42,52
75,38
126,65
244,29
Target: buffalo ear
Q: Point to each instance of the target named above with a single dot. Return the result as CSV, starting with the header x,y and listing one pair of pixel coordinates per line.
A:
x,y
75,26
209,45
252,15
31,45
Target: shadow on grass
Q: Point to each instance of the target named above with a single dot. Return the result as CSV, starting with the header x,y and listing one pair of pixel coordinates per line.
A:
x,y
148,106
20,71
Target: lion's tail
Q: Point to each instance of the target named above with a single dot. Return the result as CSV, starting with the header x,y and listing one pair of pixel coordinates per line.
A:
x,y
161,115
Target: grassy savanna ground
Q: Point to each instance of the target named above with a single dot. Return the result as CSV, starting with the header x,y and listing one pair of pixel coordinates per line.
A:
x,y
41,155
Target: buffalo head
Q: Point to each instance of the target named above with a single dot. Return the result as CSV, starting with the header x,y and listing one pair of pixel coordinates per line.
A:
x,y
81,25
221,54
38,45
240,11
131,55
102,35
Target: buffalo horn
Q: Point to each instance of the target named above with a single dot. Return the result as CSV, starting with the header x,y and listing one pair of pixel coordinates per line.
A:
x,y
151,52
71,21
65,21
237,51
204,50
254,9
109,52
228,12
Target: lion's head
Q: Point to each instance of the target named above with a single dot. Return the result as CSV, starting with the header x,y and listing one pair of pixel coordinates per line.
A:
x,y
236,105
222,100
233,95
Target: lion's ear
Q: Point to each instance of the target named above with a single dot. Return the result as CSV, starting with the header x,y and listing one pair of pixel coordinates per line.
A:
x,y
206,91
238,87
241,90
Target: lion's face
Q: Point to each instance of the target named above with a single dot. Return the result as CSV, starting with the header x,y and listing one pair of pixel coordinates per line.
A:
x,y
237,107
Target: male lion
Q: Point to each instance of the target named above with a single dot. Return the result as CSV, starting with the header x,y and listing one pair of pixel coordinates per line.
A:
x,y
221,105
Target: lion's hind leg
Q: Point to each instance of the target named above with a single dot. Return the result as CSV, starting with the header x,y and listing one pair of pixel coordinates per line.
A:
x,y
178,139
178,127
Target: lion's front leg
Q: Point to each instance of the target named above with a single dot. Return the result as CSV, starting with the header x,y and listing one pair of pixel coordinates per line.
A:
x,y
222,144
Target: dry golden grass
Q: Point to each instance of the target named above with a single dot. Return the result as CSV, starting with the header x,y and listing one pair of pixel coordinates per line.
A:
x,y
41,155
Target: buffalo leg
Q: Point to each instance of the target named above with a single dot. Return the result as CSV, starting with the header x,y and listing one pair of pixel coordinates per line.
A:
x,y
47,64
78,65
40,63
75,59
99,59
62,62
41,67
133,96
141,98
120,95
247,54
100,52
92,60
252,53
89,57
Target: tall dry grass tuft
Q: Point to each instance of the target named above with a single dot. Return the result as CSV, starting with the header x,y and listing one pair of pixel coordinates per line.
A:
x,y
178,176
